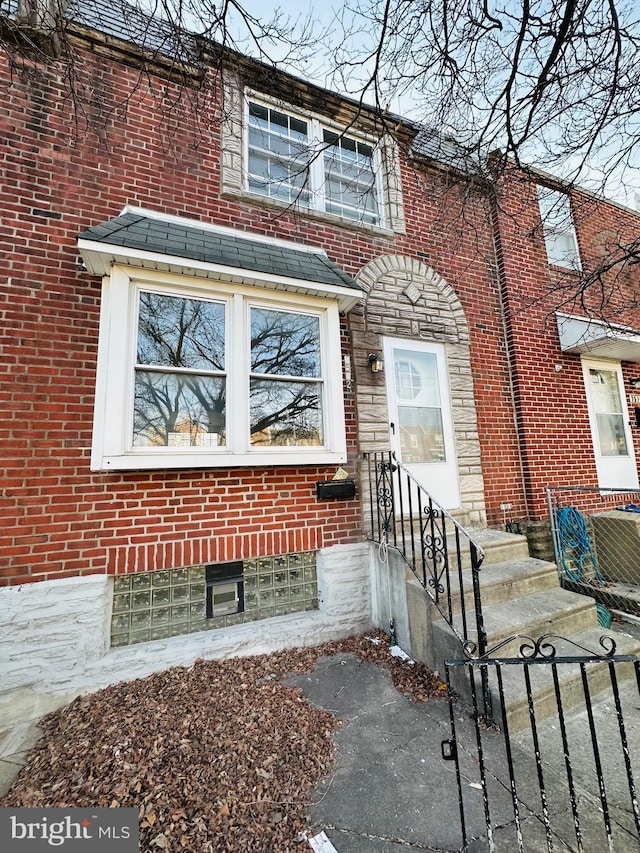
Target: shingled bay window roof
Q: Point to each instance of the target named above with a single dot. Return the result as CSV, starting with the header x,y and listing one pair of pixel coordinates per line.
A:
x,y
142,238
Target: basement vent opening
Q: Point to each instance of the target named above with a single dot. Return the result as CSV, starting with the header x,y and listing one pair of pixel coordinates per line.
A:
x,y
225,589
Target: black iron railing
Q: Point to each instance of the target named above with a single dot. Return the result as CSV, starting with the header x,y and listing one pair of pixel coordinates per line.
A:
x,y
440,552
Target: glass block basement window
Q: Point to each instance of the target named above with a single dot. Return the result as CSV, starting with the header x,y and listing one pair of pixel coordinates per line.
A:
x,y
157,605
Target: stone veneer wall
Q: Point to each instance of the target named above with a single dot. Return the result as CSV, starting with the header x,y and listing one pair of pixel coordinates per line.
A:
x,y
55,635
408,299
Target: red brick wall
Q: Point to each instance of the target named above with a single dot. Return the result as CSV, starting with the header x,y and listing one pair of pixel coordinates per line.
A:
x,y
65,168
449,228
555,435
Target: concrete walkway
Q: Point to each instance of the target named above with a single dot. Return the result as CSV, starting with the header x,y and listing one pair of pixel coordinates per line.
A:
x,y
392,792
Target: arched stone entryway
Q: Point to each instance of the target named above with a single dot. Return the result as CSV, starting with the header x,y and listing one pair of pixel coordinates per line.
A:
x,y
405,298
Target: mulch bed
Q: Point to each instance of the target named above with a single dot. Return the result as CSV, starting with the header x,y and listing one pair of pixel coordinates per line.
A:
x,y
220,756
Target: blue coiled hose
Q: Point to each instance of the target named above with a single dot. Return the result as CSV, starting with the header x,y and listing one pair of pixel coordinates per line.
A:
x,y
576,552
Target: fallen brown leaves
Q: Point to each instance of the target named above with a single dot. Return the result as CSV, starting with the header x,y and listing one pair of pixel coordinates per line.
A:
x,y
217,757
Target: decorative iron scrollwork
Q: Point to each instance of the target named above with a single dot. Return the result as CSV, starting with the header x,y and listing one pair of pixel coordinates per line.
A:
x,y
405,517
542,649
434,546
384,495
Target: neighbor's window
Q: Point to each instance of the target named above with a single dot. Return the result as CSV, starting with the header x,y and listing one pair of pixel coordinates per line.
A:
x,y
297,160
558,228
216,375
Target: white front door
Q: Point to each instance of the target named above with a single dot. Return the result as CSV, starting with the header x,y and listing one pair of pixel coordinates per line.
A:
x,y
420,416
612,444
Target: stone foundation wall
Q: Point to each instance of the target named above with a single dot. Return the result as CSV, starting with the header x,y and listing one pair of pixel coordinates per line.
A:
x,y
55,635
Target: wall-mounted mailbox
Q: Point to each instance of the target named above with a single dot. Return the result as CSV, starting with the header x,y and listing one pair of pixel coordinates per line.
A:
x,y
337,489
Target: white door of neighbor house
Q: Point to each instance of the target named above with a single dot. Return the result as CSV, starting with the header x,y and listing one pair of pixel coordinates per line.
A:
x,y
420,416
609,417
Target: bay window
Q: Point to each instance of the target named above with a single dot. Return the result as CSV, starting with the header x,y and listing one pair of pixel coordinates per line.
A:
x,y
206,373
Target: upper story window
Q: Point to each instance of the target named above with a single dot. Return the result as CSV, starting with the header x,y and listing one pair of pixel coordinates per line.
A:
x,y
299,161
558,228
279,155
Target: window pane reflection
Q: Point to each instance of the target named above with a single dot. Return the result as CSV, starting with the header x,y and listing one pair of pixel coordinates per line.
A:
x,y
284,344
611,435
178,410
286,414
421,434
176,332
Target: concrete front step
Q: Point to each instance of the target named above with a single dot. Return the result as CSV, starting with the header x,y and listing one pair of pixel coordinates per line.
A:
x,y
497,545
500,546
549,611
500,582
521,598
552,610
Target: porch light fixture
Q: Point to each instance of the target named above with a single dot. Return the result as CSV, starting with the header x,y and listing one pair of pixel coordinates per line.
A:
x,y
635,381
376,363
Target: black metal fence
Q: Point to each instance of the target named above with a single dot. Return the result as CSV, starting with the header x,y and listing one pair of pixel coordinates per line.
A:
x,y
560,771
440,552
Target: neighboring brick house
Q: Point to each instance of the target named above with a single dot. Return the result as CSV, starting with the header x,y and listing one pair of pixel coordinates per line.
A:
x,y
572,313
190,312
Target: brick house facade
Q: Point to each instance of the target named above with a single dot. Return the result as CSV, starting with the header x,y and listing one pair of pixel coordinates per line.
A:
x,y
568,319
115,535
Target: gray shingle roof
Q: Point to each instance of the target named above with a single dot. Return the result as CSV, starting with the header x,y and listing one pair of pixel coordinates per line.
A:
x,y
126,22
429,143
121,20
157,35
166,237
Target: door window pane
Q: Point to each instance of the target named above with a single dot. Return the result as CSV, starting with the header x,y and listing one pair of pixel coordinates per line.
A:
x,y
611,435
421,434
416,377
408,381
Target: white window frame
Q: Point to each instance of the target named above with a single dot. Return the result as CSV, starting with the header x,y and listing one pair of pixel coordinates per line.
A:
x,y
614,472
112,447
316,182
557,221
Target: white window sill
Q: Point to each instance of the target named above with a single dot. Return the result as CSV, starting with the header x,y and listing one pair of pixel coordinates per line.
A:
x,y
197,461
